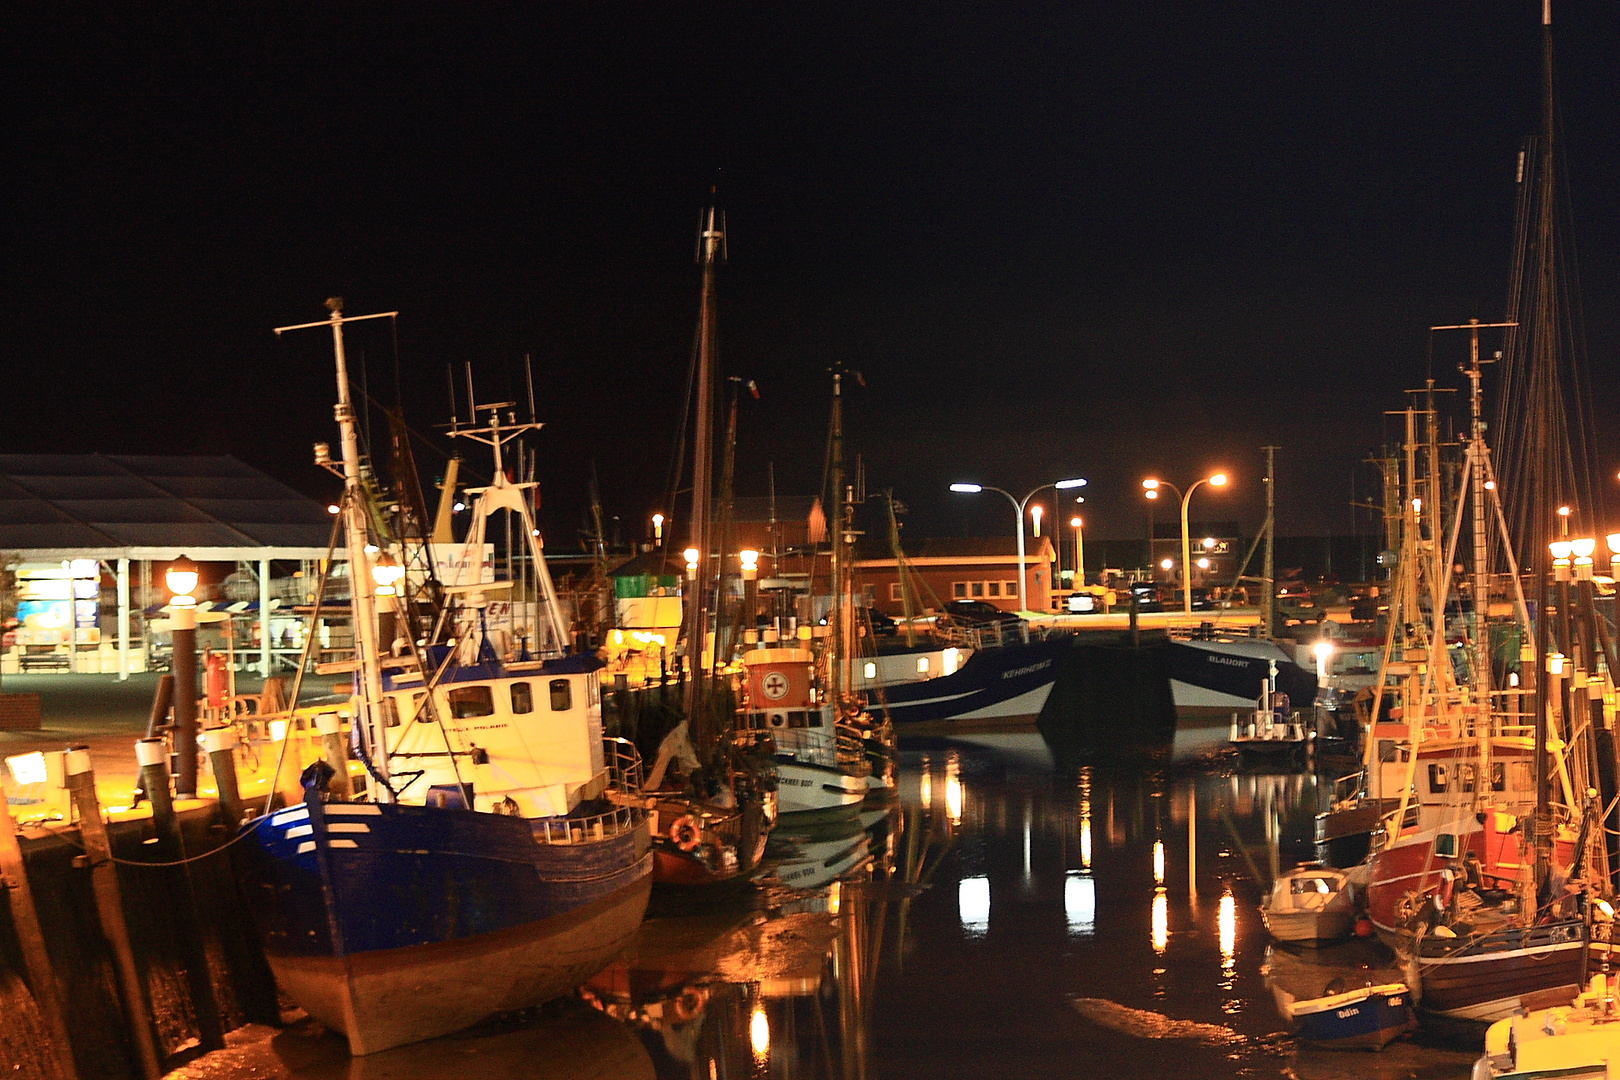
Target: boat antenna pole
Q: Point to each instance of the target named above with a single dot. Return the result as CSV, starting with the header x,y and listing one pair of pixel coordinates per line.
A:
x,y
1269,608
363,600
711,252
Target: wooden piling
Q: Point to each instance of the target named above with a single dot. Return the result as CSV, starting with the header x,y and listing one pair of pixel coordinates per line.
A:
x,y
158,721
31,936
335,753
220,742
151,755
81,783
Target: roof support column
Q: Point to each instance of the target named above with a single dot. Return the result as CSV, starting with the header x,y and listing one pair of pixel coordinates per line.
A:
x,y
123,619
264,618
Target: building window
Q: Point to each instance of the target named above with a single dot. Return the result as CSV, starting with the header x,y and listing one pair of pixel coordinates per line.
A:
x,y
894,592
1010,587
992,588
562,695
978,589
959,590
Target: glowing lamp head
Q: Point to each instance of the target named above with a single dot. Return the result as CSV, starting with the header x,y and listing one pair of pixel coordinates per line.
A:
x,y
386,572
658,526
1151,485
1583,547
1563,511
691,558
1209,543
1166,564
1065,485
1322,649
181,577
1075,522
1218,480
334,508
750,559
1560,549
967,489
1203,564
1151,493
1490,485
1614,543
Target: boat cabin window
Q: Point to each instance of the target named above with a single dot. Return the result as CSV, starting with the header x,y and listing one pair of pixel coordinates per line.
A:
x,y
562,695
1498,776
1437,778
522,698
470,701
1302,886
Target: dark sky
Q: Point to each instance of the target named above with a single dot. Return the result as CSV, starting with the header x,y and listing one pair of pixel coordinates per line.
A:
x,y
1081,239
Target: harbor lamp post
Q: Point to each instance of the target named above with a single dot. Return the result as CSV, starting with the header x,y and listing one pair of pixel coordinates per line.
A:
x,y
1152,486
1079,551
181,578
1018,508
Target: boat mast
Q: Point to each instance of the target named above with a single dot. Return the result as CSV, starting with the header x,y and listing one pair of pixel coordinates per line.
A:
x,y
362,599
1269,607
711,251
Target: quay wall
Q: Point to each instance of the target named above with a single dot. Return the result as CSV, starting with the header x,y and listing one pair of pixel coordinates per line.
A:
x,y
189,932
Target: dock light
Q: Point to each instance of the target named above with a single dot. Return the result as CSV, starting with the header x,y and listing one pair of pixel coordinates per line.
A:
x,y
1583,547
1560,552
750,563
691,559
658,528
334,508
386,572
1166,564
1035,512
967,489
759,1033
181,577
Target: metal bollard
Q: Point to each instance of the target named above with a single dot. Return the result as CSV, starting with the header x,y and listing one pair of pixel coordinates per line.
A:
x,y
335,753
220,742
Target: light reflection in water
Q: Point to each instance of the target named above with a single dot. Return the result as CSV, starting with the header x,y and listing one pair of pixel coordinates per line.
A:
x,y
1227,921
834,895
1085,817
1158,862
1080,903
953,790
973,904
759,1033
1161,921
925,787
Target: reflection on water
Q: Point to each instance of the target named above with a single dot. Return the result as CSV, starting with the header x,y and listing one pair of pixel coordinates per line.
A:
x,y
959,935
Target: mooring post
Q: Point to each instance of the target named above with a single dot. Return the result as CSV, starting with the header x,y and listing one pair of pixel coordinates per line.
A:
x,y
81,783
1136,627
220,742
152,757
31,936
335,753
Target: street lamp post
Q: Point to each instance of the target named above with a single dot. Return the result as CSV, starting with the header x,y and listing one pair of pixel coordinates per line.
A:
x,y
1018,508
1079,551
1153,486
181,577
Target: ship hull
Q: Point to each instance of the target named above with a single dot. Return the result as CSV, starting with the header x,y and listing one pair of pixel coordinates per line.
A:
x,y
393,924
1000,689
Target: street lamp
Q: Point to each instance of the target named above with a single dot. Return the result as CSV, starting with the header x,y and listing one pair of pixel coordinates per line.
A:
x,y
1152,486
1079,551
181,577
1018,508
658,530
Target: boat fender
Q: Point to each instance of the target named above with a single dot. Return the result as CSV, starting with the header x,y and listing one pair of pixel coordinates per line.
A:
x,y
684,832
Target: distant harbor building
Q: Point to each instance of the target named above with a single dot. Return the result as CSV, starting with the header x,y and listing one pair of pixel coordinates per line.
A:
x,y
961,568
1219,543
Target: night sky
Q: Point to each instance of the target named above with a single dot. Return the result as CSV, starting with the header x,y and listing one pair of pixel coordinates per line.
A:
x,y
1082,239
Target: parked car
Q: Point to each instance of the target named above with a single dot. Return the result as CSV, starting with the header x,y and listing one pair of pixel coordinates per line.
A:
x,y
1088,599
978,613
881,624
1151,596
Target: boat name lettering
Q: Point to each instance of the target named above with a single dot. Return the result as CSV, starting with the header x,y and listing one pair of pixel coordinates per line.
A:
x,y
1345,1014
1029,670
1231,661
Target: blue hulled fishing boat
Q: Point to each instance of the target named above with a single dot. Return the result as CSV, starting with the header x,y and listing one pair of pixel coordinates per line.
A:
x,y
499,855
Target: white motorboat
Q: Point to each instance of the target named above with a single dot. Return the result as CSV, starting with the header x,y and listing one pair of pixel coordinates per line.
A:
x,y
1308,904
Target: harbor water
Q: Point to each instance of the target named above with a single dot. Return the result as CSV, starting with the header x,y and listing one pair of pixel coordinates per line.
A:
x,y
1002,918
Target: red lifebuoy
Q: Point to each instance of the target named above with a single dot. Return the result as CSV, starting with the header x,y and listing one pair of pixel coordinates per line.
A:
x,y
685,833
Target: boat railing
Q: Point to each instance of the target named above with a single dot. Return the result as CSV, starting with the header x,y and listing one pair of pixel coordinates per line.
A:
x,y
581,830
622,763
